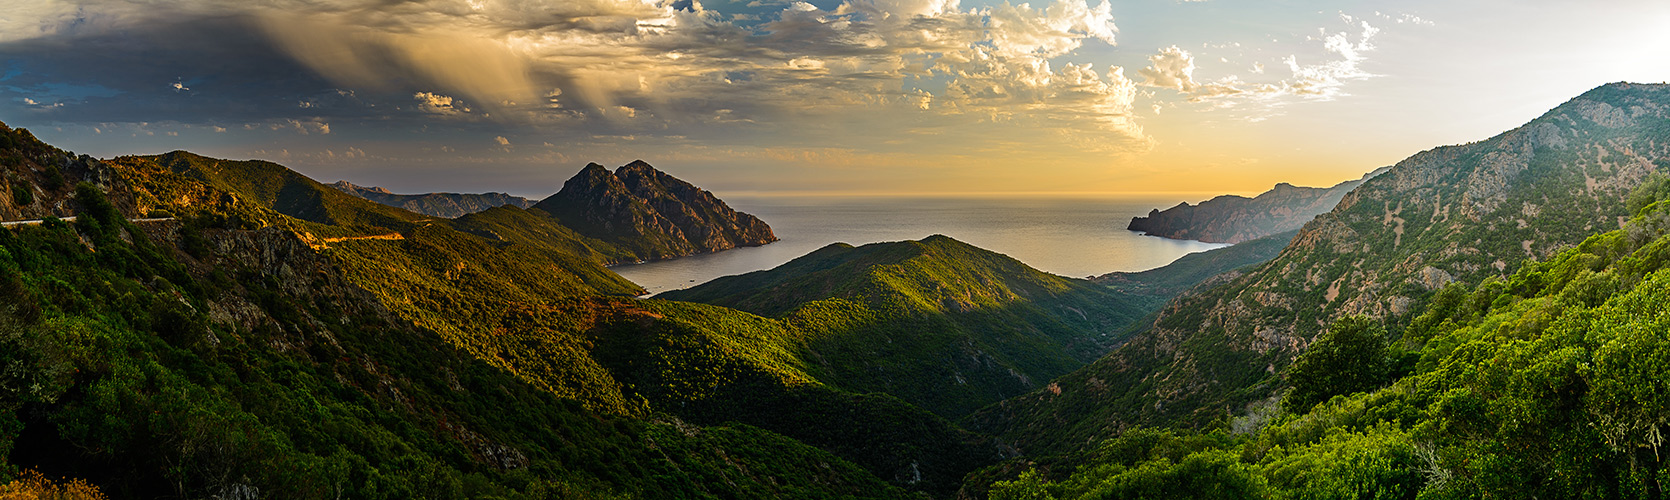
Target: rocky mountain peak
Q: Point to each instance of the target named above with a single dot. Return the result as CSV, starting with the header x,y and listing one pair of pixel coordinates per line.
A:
x,y
636,165
651,214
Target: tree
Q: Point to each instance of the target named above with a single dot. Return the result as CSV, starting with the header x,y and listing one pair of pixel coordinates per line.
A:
x,y
1350,357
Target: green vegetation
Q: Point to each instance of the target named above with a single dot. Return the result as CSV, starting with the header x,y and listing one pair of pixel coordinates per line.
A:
x,y
1350,357
254,368
1461,213
538,231
1656,187
35,172
23,193
242,193
1154,287
525,295
1547,383
517,300
938,323
283,339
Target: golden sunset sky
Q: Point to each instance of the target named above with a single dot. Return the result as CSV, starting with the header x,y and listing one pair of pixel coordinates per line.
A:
x,y
826,96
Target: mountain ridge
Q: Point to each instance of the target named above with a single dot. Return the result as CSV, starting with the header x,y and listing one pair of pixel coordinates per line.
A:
x,y
449,205
1543,373
1453,213
937,322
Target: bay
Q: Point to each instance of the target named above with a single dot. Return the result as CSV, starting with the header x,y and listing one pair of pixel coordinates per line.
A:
x,y
1076,236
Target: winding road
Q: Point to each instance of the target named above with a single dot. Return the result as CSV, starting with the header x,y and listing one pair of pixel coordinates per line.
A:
x,y
71,218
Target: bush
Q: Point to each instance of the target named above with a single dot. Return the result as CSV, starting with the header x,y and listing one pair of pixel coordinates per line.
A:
x,y
1656,187
22,194
1350,357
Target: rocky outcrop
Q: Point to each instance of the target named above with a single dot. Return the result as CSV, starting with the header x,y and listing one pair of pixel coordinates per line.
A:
x,y
651,215
38,180
1234,219
449,205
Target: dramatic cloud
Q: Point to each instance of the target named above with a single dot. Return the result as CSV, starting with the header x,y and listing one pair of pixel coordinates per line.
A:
x,y
352,55
620,66
456,81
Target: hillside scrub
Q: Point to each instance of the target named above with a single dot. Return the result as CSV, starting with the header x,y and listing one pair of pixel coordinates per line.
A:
x,y
1546,384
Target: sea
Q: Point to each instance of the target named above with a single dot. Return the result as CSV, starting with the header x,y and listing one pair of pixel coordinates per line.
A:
x,y
1076,236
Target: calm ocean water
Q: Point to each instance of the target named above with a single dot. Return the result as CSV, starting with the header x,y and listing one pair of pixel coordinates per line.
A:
x,y
1069,236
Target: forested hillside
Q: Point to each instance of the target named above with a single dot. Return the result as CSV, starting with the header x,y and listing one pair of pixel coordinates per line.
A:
x,y
519,291
939,323
1154,287
1452,214
229,354
1544,383
1481,320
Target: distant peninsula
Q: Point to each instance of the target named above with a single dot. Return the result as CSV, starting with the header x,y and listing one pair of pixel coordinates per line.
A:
x,y
1234,219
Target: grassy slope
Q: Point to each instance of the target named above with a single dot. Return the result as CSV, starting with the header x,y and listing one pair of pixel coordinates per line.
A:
x,y
165,401
1545,384
256,184
535,229
936,322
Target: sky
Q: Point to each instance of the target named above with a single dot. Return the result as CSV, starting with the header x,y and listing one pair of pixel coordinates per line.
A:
x,y
816,96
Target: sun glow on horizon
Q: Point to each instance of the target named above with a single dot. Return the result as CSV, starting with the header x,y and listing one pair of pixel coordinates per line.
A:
x,y
840,96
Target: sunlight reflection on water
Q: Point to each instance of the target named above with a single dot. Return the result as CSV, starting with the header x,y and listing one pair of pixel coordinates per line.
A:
x,y
1069,236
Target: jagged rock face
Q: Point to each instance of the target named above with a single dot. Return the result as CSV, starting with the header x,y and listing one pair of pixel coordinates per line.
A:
x,y
1234,219
449,205
1456,213
651,214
